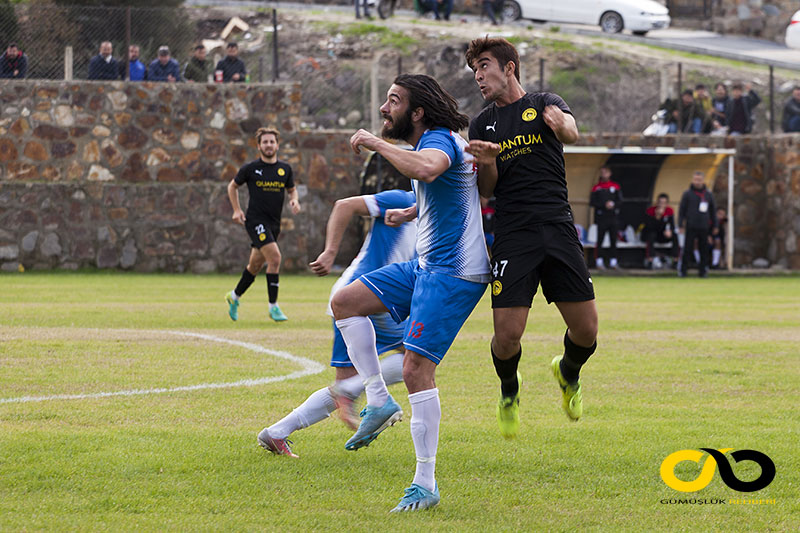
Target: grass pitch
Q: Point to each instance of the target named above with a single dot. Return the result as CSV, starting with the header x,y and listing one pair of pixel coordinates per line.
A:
x,y
681,364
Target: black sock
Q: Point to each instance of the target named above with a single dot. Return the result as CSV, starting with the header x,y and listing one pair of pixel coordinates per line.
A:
x,y
507,372
244,282
574,358
272,287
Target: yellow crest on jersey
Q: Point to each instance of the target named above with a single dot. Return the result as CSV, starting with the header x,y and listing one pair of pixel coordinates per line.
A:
x,y
262,237
497,287
529,114
281,172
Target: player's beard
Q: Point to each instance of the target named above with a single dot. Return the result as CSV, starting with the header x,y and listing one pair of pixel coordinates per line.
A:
x,y
400,129
267,155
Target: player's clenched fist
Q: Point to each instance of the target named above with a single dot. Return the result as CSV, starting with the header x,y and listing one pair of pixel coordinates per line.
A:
x,y
485,152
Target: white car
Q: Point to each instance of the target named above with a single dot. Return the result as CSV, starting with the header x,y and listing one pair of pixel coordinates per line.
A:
x,y
613,16
793,32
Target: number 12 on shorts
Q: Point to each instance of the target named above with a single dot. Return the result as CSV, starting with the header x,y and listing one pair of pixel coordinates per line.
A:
x,y
501,266
416,329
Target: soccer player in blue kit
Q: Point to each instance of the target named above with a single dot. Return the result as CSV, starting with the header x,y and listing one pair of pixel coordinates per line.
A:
x,y
382,246
437,291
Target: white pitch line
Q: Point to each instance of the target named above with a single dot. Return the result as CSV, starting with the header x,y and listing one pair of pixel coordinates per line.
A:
x,y
309,368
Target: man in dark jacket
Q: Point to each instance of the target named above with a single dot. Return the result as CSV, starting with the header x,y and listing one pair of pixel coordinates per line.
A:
x,y
103,66
606,198
659,227
697,220
691,115
198,67
232,67
164,68
791,112
13,64
739,111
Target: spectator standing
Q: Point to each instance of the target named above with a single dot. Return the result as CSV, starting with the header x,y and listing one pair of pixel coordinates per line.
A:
x,y
103,66
718,105
791,112
490,7
697,215
13,63
164,68
692,115
606,198
739,111
198,67
364,4
136,69
232,67
659,226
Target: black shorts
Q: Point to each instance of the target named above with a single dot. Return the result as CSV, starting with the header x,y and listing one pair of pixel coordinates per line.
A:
x,y
550,254
261,231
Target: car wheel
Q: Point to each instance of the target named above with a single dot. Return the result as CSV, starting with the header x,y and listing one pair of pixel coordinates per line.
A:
x,y
640,33
386,8
611,22
511,10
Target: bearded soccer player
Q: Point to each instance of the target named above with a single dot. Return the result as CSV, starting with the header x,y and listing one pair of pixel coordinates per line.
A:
x,y
518,141
268,180
437,291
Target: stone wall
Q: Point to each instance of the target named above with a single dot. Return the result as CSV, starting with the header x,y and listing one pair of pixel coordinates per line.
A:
x,y
134,176
766,190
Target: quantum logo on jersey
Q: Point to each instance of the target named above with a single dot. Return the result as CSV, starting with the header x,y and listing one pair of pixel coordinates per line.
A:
x,y
497,288
529,114
714,458
518,145
269,184
281,172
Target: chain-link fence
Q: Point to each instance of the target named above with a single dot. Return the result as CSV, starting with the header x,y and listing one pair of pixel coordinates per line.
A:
x,y
346,66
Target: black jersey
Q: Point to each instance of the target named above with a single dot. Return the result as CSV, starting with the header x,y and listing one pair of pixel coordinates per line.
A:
x,y
267,183
531,185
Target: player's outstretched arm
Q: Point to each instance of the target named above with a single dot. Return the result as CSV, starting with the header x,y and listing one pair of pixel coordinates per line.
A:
x,y
562,124
485,154
343,211
425,165
233,197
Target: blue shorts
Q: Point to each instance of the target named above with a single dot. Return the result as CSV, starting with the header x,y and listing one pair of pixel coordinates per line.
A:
x,y
437,305
388,336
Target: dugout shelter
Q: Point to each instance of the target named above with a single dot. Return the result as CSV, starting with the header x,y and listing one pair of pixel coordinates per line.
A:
x,y
643,174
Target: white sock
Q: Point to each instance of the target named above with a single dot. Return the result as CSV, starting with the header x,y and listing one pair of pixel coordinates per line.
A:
x,y
272,304
613,262
234,296
359,336
697,256
391,369
715,255
317,407
426,413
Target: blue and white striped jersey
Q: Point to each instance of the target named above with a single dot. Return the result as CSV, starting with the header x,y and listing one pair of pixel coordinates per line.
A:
x,y
449,227
384,244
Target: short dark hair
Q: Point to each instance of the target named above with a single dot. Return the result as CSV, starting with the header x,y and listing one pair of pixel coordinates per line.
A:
x,y
720,84
12,45
663,195
231,45
699,86
502,50
260,132
440,109
199,47
738,86
687,91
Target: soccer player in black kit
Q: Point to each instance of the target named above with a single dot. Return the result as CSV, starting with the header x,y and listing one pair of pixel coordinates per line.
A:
x,y
517,141
267,179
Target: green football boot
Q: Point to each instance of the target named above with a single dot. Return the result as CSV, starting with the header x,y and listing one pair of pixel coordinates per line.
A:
x,y
508,413
571,397
233,307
